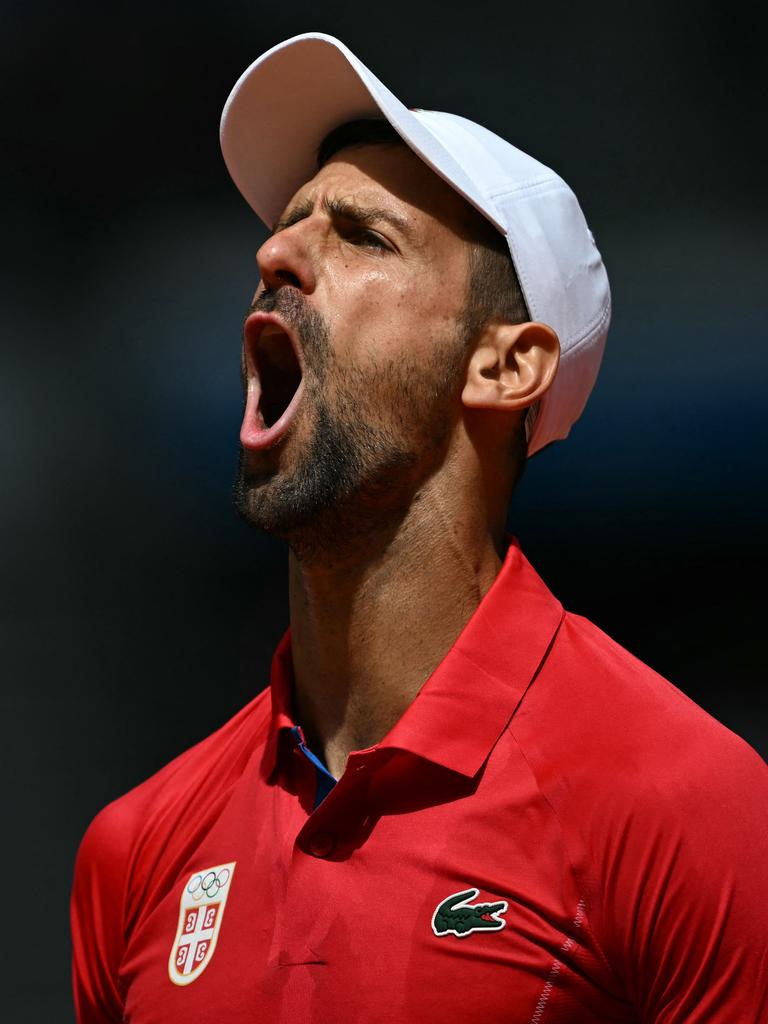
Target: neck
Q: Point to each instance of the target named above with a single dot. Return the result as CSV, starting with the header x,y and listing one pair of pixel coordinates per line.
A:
x,y
370,625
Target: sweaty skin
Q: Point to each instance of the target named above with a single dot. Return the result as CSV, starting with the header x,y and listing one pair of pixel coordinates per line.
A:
x,y
386,573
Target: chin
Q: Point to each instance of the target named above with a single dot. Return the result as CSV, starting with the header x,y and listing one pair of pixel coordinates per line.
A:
x,y
271,503
255,505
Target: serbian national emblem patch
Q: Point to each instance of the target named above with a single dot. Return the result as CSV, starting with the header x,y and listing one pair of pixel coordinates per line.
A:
x,y
201,909
458,915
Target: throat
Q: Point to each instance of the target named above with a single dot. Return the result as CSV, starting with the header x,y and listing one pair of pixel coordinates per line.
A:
x,y
366,636
279,376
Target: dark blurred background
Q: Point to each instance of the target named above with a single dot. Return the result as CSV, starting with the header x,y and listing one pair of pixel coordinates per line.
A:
x,y
137,613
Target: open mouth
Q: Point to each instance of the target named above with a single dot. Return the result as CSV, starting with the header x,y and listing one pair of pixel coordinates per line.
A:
x,y
275,381
279,373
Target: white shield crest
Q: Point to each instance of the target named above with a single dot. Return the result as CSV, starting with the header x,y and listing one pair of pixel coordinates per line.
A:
x,y
201,909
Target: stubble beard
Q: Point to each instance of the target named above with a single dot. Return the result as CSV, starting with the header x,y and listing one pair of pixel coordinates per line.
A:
x,y
377,430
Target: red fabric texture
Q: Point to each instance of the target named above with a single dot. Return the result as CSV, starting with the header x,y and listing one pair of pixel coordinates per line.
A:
x,y
541,766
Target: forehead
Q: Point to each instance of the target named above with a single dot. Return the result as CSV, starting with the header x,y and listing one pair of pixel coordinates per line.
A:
x,y
392,179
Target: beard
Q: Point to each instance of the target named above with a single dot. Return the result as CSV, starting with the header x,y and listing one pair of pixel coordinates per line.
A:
x,y
377,431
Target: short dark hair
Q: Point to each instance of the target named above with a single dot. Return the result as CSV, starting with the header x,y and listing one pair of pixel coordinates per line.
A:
x,y
493,289
365,131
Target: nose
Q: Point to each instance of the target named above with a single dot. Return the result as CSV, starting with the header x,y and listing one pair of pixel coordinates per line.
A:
x,y
285,259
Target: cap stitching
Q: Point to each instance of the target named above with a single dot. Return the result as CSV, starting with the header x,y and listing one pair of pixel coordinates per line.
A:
x,y
530,186
521,271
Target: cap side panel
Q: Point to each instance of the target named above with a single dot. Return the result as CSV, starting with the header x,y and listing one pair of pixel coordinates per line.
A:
x,y
565,401
492,164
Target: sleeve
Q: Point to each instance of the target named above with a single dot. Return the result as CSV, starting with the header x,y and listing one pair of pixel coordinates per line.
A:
x,y
684,879
97,916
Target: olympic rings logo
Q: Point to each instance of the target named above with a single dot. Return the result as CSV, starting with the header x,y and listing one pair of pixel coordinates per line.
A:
x,y
208,884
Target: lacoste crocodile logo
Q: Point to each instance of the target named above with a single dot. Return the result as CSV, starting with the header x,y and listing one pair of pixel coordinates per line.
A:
x,y
458,915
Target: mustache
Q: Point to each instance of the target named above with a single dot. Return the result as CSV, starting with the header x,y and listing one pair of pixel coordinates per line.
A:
x,y
286,302
264,302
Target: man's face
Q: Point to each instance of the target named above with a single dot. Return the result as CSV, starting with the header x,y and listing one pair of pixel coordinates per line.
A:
x,y
364,280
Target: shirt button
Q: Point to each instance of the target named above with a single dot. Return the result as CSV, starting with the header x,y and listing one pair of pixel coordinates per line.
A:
x,y
321,844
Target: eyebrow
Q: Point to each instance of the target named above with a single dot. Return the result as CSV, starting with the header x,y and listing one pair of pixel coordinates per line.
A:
x,y
345,209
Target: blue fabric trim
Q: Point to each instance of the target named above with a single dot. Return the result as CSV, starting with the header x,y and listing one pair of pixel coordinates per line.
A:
x,y
325,781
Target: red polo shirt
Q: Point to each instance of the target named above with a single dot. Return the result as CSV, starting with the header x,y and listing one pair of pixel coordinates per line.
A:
x,y
551,832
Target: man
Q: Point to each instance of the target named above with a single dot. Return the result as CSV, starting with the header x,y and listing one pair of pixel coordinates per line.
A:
x,y
456,801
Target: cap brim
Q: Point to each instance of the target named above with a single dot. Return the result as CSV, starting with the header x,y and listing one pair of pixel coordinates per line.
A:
x,y
286,102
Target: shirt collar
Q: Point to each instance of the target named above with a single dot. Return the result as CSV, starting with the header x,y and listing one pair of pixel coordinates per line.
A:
x,y
281,688
466,703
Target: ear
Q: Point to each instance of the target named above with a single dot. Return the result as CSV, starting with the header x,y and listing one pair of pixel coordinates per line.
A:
x,y
511,367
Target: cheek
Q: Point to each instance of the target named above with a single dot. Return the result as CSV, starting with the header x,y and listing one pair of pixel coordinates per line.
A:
x,y
364,309
434,297
426,319
381,311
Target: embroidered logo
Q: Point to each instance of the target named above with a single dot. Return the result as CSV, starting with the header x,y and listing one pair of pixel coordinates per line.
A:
x,y
458,915
201,909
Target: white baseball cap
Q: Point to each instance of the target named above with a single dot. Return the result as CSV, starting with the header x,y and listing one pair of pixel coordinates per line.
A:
x,y
287,101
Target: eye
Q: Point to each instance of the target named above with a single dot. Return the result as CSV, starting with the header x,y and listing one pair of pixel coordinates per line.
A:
x,y
371,238
367,238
